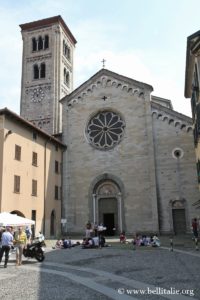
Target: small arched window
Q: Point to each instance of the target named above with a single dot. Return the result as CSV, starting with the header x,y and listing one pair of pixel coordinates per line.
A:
x,y
40,43
64,47
42,70
68,53
35,72
66,77
66,50
34,44
46,42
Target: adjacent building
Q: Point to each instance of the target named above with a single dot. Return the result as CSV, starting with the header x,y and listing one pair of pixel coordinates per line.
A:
x,y
30,173
192,77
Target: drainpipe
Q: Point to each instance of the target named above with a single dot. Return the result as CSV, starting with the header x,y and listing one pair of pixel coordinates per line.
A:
x,y
45,175
62,207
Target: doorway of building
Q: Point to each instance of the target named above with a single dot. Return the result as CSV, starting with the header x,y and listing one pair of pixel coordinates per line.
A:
x,y
109,223
179,221
52,224
108,214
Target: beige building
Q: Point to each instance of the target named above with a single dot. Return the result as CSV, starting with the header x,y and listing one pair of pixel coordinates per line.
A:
x,y
192,84
30,166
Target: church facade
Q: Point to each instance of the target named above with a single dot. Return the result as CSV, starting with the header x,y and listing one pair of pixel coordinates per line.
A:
x,y
130,161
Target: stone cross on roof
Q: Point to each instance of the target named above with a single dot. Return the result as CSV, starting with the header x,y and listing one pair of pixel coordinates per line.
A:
x,y
103,61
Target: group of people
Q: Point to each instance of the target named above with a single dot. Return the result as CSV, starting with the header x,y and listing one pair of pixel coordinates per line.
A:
x,y
93,230
94,236
94,242
18,239
141,240
65,243
10,238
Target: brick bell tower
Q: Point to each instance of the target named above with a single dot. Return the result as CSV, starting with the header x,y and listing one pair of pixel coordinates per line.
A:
x,y
47,71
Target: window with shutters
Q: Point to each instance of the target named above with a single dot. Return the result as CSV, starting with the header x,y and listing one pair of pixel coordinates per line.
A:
x,y
34,187
61,192
34,159
56,192
16,184
17,152
56,166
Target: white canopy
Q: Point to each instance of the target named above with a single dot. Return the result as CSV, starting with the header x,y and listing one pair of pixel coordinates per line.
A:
x,y
7,219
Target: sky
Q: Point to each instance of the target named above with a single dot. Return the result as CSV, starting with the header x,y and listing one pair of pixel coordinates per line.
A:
x,y
144,40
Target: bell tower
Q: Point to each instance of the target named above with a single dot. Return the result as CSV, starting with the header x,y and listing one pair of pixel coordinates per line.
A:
x,y
47,71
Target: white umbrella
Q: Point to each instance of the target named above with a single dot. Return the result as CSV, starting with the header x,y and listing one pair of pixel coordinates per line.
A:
x,y
7,219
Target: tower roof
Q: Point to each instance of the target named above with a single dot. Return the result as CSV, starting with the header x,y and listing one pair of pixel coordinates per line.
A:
x,y
47,22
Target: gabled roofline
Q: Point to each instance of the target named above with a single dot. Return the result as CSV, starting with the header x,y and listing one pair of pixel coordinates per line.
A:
x,y
172,112
193,44
109,73
11,114
47,22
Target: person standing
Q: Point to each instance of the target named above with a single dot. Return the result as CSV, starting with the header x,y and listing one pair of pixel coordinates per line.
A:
x,y
28,234
20,243
195,228
6,243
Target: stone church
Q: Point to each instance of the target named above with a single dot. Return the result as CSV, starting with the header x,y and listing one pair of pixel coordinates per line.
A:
x,y
130,160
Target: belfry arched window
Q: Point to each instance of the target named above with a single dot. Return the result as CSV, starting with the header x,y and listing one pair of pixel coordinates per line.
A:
x,y
35,72
63,47
66,77
105,130
40,43
34,44
46,42
66,50
42,70
39,71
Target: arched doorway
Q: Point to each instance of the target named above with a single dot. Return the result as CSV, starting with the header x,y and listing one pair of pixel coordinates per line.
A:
x,y
17,212
52,223
107,206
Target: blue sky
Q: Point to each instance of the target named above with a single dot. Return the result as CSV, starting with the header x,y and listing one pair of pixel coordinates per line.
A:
x,y
144,40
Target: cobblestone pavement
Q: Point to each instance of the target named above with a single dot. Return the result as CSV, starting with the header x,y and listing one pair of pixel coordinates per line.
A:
x,y
117,272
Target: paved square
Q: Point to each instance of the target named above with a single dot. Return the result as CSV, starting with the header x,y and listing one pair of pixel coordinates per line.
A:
x,y
116,272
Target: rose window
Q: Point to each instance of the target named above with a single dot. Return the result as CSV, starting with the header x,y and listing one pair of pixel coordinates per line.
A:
x,y
105,129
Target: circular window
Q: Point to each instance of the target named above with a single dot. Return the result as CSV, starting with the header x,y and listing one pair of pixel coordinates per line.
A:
x,y
177,153
105,129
